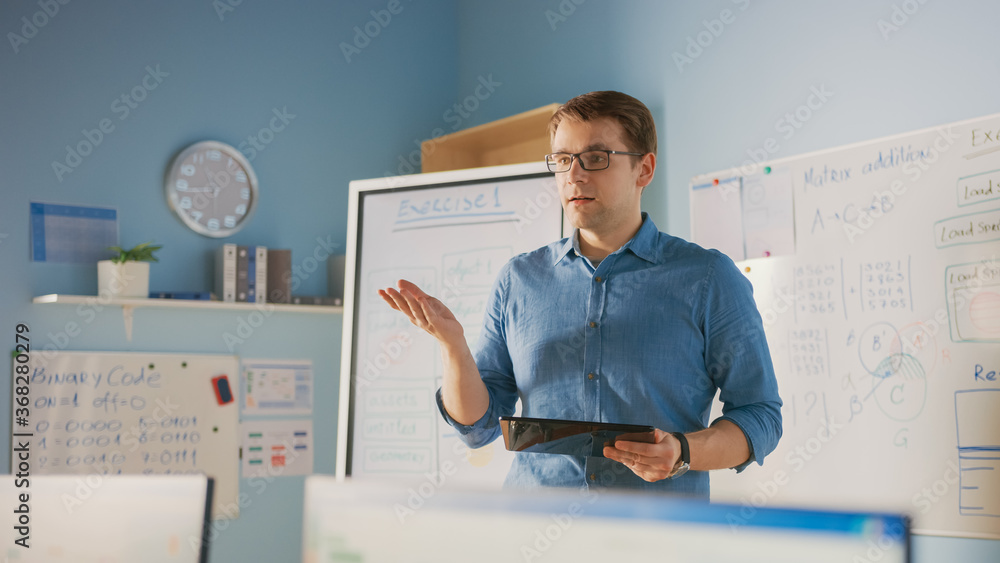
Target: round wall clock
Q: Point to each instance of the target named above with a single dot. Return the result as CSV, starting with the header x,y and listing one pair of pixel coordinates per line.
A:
x,y
211,187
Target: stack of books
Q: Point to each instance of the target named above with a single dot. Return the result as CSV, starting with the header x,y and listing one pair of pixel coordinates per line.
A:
x,y
257,274
241,273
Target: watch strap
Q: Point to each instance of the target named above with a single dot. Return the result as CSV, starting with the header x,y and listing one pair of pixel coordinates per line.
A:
x,y
685,450
684,461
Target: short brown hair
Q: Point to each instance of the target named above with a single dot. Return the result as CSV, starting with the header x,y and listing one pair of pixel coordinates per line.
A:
x,y
630,113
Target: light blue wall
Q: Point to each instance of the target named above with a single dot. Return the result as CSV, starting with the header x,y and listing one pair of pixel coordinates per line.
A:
x,y
940,66
225,77
356,120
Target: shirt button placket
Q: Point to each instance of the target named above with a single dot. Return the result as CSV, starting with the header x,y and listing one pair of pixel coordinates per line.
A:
x,y
592,407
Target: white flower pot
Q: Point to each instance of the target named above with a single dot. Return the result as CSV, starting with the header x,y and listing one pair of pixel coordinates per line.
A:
x,y
128,279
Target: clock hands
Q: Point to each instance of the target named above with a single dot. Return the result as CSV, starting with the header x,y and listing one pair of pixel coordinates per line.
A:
x,y
215,187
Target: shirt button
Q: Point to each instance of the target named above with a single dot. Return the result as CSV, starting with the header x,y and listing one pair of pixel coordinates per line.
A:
x,y
591,376
597,279
592,324
593,476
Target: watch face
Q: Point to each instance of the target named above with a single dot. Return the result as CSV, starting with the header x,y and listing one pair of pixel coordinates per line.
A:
x,y
680,469
211,187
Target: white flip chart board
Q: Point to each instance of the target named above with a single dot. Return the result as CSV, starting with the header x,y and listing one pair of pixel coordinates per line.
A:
x,y
134,413
884,328
449,233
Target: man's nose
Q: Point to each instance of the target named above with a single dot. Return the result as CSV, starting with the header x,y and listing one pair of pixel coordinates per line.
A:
x,y
576,171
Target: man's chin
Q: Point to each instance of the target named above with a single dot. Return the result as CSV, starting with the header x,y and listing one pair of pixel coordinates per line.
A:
x,y
587,222
578,220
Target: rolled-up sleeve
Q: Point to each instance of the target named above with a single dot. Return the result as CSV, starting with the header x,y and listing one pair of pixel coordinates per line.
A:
x,y
738,360
495,368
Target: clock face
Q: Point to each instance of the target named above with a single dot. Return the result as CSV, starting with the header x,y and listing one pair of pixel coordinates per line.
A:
x,y
211,187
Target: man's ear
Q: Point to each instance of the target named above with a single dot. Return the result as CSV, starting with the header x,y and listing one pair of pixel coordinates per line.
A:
x,y
647,167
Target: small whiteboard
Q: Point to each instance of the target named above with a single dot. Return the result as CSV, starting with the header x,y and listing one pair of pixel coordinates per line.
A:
x,y
133,413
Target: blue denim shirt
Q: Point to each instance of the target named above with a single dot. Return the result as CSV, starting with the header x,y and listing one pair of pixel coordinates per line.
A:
x,y
647,337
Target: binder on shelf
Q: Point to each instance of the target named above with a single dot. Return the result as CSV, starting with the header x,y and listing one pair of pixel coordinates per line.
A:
x,y
279,275
242,273
225,273
260,275
251,274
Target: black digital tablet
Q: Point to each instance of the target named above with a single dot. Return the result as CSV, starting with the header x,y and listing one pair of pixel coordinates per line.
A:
x,y
570,437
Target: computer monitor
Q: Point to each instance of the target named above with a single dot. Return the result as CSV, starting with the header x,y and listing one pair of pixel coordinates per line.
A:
x,y
95,518
381,522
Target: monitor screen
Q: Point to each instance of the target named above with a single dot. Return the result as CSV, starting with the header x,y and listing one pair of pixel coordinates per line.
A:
x,y
380,522
95,518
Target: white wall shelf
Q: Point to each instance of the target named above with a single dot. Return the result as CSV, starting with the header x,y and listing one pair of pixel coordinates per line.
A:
x,y
129,304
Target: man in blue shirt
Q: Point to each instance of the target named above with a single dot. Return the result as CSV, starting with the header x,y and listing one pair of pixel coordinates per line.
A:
x,y
618,323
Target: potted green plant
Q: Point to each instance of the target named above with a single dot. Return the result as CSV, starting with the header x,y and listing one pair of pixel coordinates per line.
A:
x,y
127,274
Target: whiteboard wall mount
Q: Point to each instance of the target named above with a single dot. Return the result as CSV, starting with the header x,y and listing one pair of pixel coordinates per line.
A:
x,y
129,304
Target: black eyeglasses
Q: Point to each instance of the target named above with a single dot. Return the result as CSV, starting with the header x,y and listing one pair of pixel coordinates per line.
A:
x,y
589,160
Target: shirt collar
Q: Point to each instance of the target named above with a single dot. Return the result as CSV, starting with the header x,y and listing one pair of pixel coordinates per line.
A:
x,y
568,245
643,244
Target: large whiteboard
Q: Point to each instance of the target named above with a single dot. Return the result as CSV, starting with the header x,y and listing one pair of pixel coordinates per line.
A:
x,y
450,233
883,319
101,413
